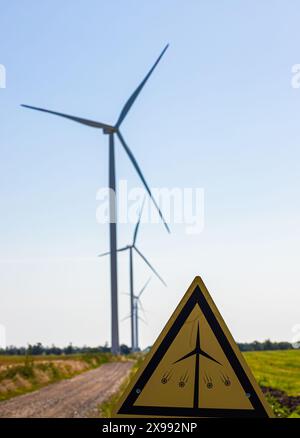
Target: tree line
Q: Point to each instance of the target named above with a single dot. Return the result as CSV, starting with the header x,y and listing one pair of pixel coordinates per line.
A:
x,y
39,349
265,346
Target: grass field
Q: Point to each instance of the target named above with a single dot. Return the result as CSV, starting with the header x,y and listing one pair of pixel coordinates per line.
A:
x,y
276,369
277,372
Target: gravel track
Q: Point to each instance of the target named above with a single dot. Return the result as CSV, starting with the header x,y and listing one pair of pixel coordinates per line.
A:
x,y
74,398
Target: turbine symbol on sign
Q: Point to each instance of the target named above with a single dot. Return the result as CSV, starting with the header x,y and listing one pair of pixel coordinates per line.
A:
x,y
197,352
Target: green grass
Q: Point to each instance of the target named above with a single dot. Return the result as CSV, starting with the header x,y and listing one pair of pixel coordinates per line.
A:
x,y
276,369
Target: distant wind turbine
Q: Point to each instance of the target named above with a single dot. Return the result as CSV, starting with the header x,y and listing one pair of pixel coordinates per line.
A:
x,y
137,304
131,248
135,315
111,130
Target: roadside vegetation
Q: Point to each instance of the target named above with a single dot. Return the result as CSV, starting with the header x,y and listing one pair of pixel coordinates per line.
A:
x,y
22,374
107,409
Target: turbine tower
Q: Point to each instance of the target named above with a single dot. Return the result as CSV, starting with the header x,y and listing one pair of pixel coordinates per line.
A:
x,y
111,131
131,248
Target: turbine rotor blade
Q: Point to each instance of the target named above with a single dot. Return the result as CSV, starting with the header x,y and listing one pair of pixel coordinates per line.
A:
x,y
125,248
137,168
138,224
144,287
108,252
93,124
150,266
140,306
104,254
143,320
126,317
135,94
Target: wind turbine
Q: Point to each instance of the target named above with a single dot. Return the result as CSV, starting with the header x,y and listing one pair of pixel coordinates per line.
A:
x,y
111,131
137,303
131,248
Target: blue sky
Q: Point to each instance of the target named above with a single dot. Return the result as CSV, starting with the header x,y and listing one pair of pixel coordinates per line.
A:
x,y
218,113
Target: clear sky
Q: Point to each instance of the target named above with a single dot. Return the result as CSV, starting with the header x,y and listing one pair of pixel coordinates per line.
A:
x,y
218,113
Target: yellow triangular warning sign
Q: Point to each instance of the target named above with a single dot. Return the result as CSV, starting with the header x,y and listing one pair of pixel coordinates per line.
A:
x,y
194,369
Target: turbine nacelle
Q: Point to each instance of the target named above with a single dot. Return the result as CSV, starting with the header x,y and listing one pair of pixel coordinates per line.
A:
x,y
110,130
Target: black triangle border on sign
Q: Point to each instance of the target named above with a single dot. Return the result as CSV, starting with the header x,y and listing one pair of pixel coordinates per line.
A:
x,y
197,297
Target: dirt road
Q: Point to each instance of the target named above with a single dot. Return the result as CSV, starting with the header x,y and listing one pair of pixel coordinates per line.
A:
x,y
74,398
